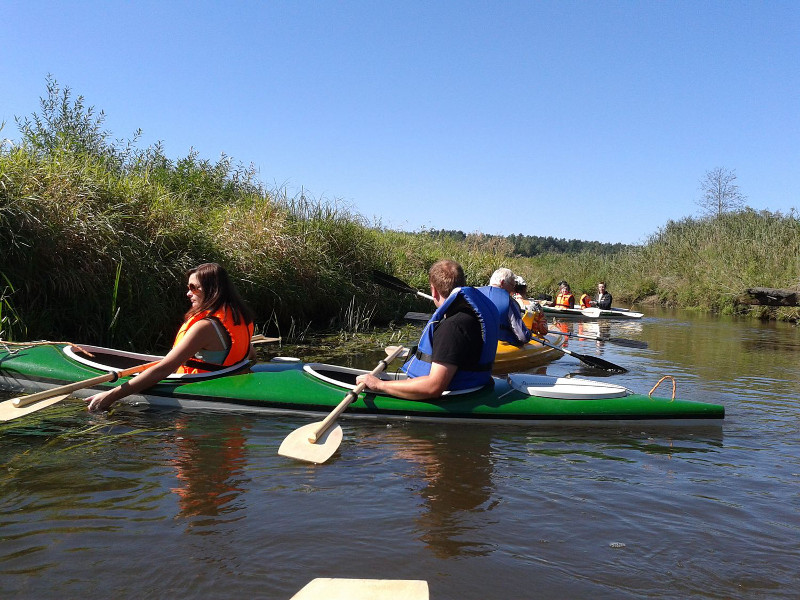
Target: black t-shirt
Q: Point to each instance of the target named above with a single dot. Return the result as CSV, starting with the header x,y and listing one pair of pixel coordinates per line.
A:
x,y
457,340
604,301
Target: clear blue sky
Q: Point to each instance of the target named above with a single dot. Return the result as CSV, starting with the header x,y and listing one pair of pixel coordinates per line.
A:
x,y
587,120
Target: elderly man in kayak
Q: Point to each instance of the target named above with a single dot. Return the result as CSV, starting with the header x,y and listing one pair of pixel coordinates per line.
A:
x,y
499,291
457,346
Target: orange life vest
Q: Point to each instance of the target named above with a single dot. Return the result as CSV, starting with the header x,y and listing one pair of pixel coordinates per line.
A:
x,y
239,335
565,300
586,301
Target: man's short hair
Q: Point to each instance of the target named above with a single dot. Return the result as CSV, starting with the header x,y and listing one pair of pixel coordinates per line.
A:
x,y
445,276
502,275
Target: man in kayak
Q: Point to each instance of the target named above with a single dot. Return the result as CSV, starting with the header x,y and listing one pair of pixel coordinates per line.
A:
x,y
603,299
457,346
501,287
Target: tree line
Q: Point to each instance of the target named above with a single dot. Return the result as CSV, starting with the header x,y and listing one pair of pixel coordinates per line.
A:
x,y
529,246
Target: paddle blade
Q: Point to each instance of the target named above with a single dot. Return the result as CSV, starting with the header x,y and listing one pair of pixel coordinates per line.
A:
x,y
599,363
363,589
417,316
8,411
626,342
297,445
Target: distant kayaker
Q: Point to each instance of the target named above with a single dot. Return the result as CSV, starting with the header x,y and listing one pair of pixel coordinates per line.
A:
x,y
457,346
216,333
603,298
501,287
565,298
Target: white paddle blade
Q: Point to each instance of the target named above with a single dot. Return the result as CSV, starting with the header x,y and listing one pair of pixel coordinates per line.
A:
x,y
8,411
297,445
363,589
390,350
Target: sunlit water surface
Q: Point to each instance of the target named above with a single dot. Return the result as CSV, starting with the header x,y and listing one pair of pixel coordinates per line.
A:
x,y
194,505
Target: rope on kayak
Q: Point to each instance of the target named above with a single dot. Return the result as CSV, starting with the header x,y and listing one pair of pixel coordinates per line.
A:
x,y
674,385
26,345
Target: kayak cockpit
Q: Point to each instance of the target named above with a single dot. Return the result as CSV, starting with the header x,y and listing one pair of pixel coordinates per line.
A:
x,y
108,359
345,377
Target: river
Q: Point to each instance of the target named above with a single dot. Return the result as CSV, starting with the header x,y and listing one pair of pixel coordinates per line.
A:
x,y
154,503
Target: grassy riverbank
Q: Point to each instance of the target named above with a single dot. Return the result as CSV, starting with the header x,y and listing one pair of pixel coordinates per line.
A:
x,y
95,238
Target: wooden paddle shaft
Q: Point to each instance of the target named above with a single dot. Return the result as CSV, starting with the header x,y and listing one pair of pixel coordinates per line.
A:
x,y
79,385
577,335
351,396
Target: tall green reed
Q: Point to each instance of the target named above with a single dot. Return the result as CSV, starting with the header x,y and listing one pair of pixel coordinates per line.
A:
x,y
76,207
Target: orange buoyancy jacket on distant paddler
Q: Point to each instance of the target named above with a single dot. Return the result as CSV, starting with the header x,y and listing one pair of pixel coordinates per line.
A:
x,y
565,300
239,336
586,301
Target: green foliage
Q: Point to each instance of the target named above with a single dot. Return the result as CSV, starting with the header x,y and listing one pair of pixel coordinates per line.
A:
x,y
96,237
86,226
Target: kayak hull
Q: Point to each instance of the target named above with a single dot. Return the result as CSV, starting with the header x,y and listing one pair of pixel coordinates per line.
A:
x,y
591,314
294,387
510,358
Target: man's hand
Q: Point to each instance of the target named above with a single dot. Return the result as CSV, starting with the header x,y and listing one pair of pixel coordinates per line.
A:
x,y
372,382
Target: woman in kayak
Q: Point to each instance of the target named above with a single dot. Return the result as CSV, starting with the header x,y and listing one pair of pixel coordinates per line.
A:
x,y
216,333
565,298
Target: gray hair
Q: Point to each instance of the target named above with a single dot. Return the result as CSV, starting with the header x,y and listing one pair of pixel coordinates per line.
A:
x,y
501,276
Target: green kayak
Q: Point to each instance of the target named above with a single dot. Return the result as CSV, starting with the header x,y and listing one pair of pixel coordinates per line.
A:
x,y
289,386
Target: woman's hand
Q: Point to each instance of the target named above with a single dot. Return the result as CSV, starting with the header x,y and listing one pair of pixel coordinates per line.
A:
x,y
100,401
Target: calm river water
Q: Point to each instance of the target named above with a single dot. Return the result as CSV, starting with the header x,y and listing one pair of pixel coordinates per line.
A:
x,y
171,504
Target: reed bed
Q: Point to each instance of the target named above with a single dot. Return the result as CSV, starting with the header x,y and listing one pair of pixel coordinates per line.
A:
x,y
96,237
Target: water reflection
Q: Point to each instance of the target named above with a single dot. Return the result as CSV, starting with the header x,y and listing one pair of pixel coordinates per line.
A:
x,y
454,466
209,462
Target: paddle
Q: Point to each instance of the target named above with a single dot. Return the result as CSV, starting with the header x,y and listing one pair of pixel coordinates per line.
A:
x,y
393,283
592,361
262,339
613,340
363,589
24,405
316,442
417,316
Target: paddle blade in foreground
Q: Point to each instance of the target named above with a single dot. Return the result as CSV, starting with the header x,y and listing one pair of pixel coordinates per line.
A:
x,y
363,589
298,445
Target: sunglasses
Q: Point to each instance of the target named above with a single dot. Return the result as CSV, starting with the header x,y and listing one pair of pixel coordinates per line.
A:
x,y
194,288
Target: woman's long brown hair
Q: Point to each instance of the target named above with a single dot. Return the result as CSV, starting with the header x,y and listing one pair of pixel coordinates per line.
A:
x,y
218,291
